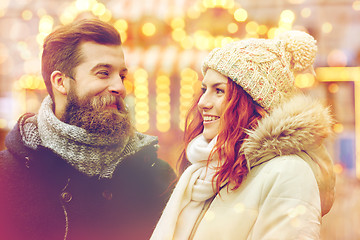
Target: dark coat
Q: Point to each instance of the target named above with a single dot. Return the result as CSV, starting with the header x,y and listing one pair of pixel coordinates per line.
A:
x,y
42,197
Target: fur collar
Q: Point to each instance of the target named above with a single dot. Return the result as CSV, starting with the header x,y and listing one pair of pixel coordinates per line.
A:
x,y
300,124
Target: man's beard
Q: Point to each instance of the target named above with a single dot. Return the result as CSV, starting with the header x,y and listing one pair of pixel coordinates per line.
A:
x,y
93,116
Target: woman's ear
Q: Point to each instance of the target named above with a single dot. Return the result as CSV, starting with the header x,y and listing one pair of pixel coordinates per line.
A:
x,y
59,82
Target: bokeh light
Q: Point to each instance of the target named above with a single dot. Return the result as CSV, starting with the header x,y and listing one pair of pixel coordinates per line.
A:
x,y
148,29
333,87
271,33
232,28
252,27
305,12
194,12
326,27
106,16
3,123
240,15
338,128
338,168
27,15
337,58
121,26
178,35
305,80
4,4
46,24
262,29
141,100
98,9
83,5
356,5
177,23
187,42
188,78
287,16
163,108
68,15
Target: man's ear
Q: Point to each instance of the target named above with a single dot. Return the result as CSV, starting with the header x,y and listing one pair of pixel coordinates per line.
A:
x,y
59,82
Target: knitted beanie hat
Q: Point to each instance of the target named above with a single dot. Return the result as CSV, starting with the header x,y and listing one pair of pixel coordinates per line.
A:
x,y
265,68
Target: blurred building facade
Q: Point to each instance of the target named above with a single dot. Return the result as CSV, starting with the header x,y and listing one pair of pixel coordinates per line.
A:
x,y
165,42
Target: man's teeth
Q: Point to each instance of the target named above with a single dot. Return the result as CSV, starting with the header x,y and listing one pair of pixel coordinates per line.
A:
x,y
210,118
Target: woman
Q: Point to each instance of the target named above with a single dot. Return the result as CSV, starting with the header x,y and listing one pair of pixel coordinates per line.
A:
x,y
254,165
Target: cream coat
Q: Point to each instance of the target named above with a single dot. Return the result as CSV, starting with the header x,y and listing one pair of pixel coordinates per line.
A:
x,y
290,184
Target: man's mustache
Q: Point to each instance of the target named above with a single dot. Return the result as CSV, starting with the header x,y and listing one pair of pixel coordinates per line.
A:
x,y
101,102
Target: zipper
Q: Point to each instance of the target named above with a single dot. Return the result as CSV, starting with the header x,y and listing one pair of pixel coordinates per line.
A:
x,y
65,211
66,222
201,216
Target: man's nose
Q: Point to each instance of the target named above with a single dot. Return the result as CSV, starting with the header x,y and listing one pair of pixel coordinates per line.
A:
x,y
117,88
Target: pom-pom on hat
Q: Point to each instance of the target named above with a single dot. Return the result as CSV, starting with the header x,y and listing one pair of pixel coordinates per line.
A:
x,y
265,68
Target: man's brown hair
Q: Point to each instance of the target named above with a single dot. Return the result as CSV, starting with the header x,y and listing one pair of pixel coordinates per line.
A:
x,y
61,49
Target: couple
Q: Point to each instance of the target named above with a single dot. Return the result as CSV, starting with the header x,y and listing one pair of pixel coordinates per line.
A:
x,y
253,164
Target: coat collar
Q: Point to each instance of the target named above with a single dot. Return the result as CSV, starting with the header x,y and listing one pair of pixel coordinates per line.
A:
x,y
300,124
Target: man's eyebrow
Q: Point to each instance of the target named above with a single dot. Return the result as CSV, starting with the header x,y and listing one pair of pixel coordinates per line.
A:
x,y
108,66
100,65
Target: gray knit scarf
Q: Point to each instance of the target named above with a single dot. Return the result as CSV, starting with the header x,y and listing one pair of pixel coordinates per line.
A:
x,y
89,153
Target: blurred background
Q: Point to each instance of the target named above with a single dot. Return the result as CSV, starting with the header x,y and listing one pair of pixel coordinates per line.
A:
x,y
165,42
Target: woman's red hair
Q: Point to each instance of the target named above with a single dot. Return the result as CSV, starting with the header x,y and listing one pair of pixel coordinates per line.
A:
x,y
240,113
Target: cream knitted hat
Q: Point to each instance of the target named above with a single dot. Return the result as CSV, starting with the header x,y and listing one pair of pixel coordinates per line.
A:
x,y
265,68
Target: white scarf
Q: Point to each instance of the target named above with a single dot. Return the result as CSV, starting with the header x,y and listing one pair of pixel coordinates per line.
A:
x,y
188,198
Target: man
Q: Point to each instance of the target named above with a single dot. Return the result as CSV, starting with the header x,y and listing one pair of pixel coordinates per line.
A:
x,y
78,169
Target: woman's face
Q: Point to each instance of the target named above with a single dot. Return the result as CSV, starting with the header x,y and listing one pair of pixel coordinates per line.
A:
x,y
211,105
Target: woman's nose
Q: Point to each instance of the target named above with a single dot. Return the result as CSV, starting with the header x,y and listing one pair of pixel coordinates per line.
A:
x,y
204,102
